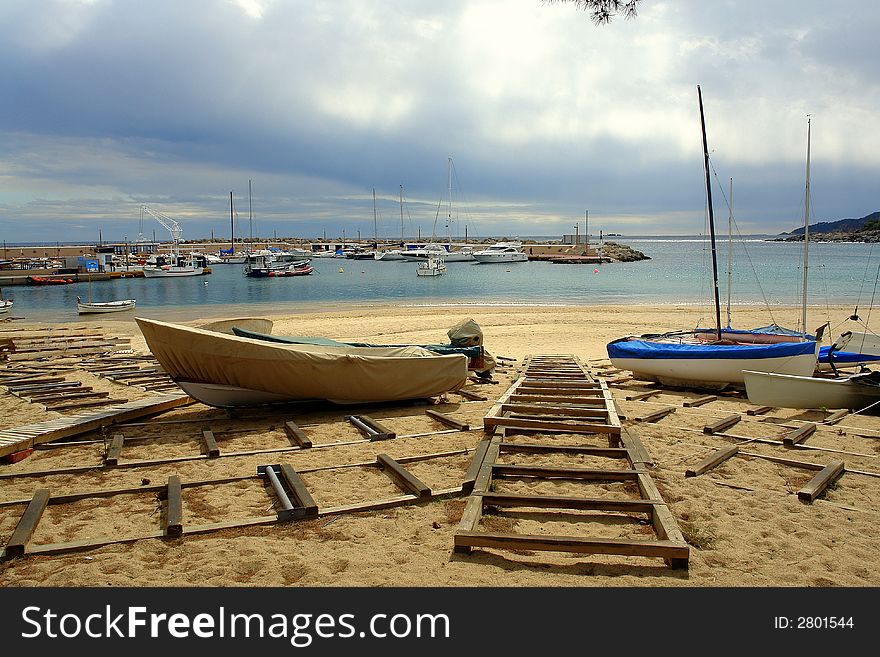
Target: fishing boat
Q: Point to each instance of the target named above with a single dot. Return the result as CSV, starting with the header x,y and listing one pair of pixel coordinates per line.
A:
x,y
266,266
501,252
175,265
224,370
433,266
716,359
857,391
89,306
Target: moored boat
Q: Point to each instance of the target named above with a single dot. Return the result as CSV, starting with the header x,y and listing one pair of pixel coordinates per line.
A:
x,y
501,252
226,371
84,308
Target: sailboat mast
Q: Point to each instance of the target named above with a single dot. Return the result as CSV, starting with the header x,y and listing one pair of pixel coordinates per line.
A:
x,y
711,215
449,201
250,215
375,225
729,248
231,224
401,214
806,233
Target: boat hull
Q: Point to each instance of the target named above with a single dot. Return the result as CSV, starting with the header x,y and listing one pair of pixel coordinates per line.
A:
x,y
705,366
487,259
786,391
172,272
287,372
105,307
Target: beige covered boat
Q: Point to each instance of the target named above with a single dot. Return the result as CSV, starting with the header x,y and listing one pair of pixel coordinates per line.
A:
x,y
225,370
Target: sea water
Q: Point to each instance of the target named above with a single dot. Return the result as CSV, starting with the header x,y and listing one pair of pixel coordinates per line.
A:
x,y
679,272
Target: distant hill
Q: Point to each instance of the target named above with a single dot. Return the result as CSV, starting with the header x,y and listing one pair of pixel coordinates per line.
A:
x,y
842,226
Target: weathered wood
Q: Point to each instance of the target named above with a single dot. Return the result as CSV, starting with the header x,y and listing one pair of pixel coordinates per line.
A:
x,y
473,396
580,401
836,416
304,501
546,472
642,395
759,410
447,420
541,448
664,549
813,488
562,502
714,459
174,514
66,406
638,454
799,435
653,416
27,523
403,477
473,470
112,456
699,401
490,422
210,444
722,424
558,411
296,435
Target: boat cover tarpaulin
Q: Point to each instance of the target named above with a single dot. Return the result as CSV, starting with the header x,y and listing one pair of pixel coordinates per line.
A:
x,y
627,348
298,371
845,357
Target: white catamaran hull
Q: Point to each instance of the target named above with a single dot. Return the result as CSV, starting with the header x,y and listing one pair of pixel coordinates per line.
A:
x,y
715,373
786,391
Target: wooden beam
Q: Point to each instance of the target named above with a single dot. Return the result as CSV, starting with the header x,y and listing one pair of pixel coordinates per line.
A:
x,y
489,422
83,404
473,470
722,424
564,411
112,456
642,395
210,444
792,438
447,420
665,549
699,401
638,454
174,515
561,502
594,474
655,415
301,495
541,448
759,410
296,435
473,396
403,477
714,459
27,523
820,482
836,416
580,401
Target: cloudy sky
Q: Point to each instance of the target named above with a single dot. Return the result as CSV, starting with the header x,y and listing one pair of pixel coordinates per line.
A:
x,y
108,105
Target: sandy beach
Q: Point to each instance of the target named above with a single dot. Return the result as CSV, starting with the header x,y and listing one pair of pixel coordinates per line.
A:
x,y
743,520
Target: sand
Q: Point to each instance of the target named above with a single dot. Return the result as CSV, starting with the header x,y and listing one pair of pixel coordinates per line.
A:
x,y
743,520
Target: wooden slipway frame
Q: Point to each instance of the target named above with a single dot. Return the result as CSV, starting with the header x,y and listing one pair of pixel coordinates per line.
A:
x,y
558,395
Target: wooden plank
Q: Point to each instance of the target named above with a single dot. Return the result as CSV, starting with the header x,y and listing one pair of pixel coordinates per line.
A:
x,y
447,420
403,477
642,395
580,401
653,416
541,448
799,435
505,470
715,458
210,444
699,401
543,425
27,523
304,501
572,411
663,521
759,410
72,395
473,396
32,380
638,454
722,424
174,515
813,488
112,456
66,406
665,549
473,470
562,502
836,416
296,435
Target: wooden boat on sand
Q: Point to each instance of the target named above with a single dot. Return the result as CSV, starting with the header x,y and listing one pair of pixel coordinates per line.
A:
x,y
227,371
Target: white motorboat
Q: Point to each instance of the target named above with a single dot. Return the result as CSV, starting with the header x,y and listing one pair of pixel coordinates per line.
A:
x,y
175,266
501,252
225,370
387,256
857,391
5,305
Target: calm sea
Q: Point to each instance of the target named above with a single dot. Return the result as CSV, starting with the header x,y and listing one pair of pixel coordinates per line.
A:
x,y
677,273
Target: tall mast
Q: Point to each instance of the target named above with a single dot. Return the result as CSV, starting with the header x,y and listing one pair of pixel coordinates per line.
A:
x,y
250,214
587,232
375,225
449,202
711,215
401,213
806,232
729,248
231,224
